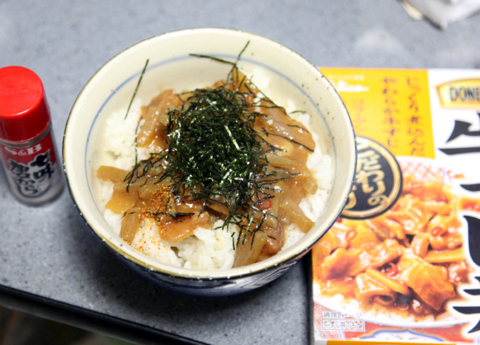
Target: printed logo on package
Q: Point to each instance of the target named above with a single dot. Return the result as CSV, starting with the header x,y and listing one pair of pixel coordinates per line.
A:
x,y
33,178
463,93
378,181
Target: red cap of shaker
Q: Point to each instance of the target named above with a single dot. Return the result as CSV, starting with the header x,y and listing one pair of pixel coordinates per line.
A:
x,y
24,111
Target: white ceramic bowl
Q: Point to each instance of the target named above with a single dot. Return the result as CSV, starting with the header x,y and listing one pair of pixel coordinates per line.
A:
x,y
171,66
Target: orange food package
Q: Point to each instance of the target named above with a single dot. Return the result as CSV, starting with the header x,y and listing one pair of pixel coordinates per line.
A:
x,y
402,263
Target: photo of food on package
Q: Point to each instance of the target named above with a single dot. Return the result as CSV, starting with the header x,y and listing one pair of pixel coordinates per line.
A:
x,y
406,262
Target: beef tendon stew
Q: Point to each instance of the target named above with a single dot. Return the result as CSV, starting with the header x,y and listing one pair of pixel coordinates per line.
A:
x,y
223,158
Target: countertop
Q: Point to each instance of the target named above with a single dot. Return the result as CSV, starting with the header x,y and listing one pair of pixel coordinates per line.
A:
x,y
52,265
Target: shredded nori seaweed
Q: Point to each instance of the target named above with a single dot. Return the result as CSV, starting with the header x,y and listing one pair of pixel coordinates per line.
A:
x,y
136,88
214,155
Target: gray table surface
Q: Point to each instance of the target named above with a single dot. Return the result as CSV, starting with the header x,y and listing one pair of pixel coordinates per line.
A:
x,y
50,252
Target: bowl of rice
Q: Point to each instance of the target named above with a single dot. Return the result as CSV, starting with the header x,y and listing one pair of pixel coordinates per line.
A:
x,y
209,160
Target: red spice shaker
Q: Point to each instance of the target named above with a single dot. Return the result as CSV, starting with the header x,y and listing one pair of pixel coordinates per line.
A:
x,y
26,146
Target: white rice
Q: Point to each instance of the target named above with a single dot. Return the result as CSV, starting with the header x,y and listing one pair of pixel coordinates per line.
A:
x,y
206,249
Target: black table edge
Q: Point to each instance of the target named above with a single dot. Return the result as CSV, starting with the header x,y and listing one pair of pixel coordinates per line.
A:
x,y
111,326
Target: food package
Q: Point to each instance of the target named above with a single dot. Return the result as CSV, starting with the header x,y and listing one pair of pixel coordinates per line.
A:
x,y
402,263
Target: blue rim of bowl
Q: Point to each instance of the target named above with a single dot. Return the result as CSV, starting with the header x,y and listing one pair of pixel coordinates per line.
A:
x,y
134,260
